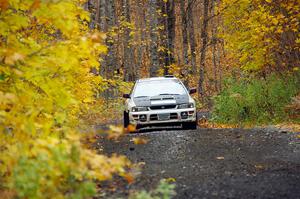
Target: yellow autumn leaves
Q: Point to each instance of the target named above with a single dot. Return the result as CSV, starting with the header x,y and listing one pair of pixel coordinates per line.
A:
x,y
46,54
259,34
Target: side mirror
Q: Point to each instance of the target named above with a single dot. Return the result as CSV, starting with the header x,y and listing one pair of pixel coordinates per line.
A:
x,y
126,96
193,90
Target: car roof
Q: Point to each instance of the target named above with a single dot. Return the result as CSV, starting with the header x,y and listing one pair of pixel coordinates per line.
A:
x,y
156,79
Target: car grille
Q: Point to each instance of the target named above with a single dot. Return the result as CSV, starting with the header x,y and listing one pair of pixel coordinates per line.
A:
x,y
155,117
173,116
162,107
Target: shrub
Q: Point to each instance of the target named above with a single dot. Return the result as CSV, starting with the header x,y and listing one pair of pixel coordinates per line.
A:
x,y
54,168
164,190
255,100
293,109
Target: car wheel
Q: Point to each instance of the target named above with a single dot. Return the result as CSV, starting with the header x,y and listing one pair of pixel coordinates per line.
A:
x,y
126,119
189,125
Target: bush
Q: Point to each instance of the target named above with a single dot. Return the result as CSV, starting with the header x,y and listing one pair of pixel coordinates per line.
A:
x,y
255,100
164,190
58,168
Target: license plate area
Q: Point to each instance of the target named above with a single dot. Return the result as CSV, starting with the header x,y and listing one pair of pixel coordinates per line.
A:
x,y
164,116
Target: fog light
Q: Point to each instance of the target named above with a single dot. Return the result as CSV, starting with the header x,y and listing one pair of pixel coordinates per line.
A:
x,y
143,118
184,115
191,112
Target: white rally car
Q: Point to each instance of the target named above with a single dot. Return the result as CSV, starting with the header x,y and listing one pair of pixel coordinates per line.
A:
x,y
160,101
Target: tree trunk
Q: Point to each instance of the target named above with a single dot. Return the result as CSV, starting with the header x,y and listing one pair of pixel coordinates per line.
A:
x,y
220,68
102,16
111,62
218,56
192,36
184,42
204,38
103,28
91,6
141,48
170,30
214,41
129,69
154,60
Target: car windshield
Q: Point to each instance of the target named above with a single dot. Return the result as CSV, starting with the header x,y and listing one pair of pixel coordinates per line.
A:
x,y
158,87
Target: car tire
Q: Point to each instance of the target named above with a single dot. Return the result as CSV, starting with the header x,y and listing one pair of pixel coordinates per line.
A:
x,y
125,119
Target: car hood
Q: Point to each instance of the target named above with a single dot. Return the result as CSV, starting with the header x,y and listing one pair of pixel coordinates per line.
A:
x,y
161,100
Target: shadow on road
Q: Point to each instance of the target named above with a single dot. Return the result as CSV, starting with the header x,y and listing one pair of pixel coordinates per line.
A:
x,y
158,129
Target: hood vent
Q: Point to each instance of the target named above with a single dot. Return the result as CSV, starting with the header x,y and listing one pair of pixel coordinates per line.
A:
x,y
162,101
162,98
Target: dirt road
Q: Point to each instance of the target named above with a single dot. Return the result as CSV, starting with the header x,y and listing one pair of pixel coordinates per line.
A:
x,y
210,163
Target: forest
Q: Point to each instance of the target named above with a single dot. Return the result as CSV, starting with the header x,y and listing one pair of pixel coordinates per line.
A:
x,y
210,45
64,66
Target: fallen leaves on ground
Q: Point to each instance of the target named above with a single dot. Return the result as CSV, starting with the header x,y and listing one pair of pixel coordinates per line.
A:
x,y
131,128
289,127
139,141
129,178
115,132
204,123
170,180
258,166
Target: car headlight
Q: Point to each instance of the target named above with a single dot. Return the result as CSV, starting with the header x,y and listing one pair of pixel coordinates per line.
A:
x,y
183,106
139,109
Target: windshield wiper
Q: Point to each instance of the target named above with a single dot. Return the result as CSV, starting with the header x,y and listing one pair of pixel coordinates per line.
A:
x,y
140,96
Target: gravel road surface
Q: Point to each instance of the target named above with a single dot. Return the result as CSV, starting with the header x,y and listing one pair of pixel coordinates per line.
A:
x,y
215,163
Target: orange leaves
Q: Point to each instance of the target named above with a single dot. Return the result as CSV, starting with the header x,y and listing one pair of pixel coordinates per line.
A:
x,y
4,4
14,57
36,4
129,178
98,37
131,128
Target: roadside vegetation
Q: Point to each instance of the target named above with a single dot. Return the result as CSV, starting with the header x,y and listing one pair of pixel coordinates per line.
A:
x,y
265,50
257,101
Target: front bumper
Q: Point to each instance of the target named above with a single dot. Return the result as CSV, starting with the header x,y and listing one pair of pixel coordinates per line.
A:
x,y
164,116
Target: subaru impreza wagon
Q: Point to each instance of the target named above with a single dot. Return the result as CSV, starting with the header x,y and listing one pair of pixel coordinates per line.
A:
x,y
160,101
